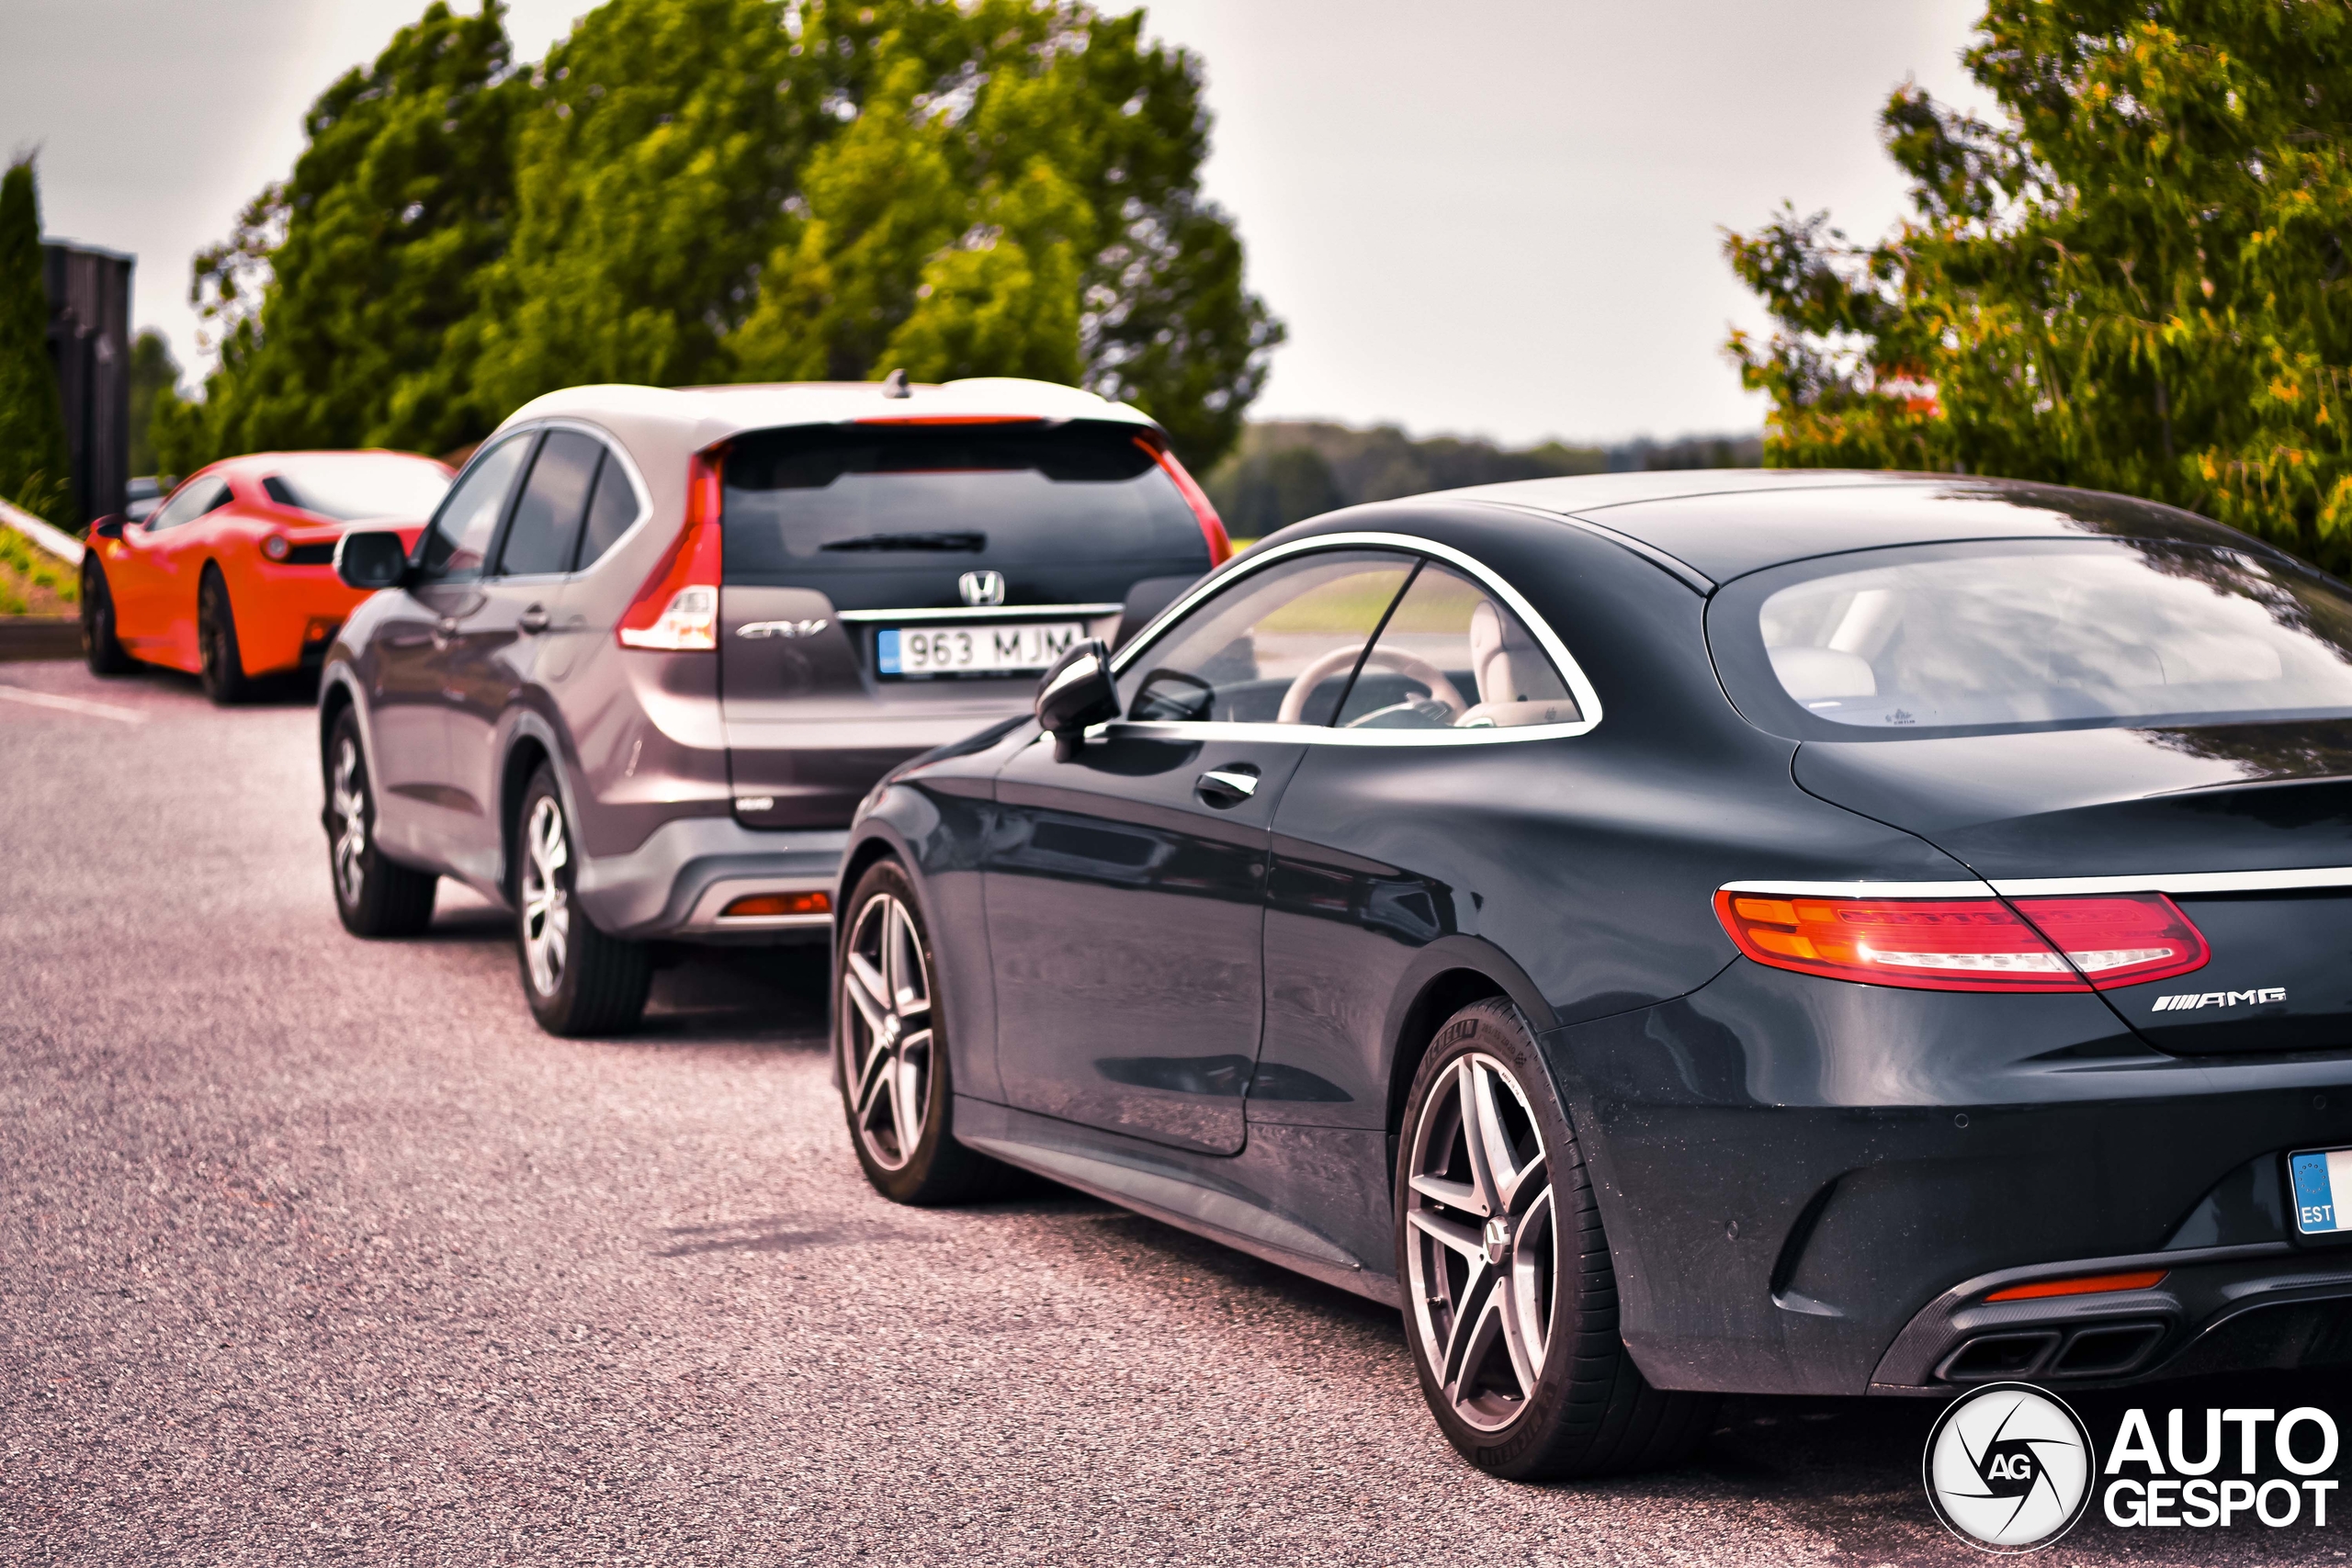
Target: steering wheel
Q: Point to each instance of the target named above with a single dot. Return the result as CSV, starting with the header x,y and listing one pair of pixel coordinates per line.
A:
x,y
1410,665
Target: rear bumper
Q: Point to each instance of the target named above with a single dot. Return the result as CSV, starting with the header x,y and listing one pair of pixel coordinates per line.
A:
x,y
1811,1186
675,885
288,617
2218,1309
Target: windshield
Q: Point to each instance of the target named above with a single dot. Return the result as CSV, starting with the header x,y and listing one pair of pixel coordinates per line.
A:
x,y
2020,636
894,514
350,486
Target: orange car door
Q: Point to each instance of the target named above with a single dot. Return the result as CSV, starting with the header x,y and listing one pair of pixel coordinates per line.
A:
x,y
142,575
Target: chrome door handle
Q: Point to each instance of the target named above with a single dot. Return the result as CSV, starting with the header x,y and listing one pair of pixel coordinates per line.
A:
x,y
444,629
1223,788
534,619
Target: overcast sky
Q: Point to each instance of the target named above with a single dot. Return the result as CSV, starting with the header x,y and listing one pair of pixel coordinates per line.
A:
x,y
1497,218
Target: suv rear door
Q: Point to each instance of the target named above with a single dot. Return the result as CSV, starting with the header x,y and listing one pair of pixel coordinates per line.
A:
x,y
890,586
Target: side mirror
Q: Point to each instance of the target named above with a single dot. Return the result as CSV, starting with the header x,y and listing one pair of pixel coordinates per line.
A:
x,y
108,527
371,558
1077,691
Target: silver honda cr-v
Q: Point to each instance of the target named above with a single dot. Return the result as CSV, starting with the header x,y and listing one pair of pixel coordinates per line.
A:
x,y
655,645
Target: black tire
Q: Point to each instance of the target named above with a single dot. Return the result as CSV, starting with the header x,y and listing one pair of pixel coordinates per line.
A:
x,y
1548,1302
888,1034
102,649
374,897
578,979
221,663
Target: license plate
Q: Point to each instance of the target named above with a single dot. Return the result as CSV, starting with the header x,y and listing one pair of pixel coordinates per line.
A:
x,y
916,653
2319,1177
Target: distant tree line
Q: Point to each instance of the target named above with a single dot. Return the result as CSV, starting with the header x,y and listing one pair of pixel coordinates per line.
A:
x,y
2139,280
695,191
1283,470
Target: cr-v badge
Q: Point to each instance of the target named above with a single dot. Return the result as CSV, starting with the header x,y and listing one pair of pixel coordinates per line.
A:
x,y
981,588
2008,1468
758,629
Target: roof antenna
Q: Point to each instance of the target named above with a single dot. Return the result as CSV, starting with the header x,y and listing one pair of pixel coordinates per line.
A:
x,y
894,385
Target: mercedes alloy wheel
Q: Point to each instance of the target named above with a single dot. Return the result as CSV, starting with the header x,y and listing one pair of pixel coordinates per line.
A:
x,y
1510,1299
892,1051
1485,1252
886,1031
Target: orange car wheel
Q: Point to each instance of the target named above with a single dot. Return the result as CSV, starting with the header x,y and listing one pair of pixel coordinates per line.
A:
x,y
223,665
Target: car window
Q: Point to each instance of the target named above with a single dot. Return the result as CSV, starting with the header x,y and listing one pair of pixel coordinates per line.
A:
x,y
2022,637
554,500
198,496
353,487
1452,657
462,530
1278,647
610,512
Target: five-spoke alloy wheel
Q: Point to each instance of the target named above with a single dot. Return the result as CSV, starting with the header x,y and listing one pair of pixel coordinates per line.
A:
x,y
1510,1302
890,1051
886,1031
1484,1253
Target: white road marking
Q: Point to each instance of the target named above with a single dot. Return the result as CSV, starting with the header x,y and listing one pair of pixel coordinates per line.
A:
x,y
74,704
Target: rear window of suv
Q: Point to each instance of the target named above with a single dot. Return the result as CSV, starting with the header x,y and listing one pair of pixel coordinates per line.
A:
x,y
1077,510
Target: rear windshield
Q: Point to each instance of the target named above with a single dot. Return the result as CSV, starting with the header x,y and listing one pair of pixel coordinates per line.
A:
x,y
1063,512
349,486
2019,637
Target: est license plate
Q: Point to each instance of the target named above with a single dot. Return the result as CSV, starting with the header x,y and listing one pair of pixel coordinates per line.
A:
x,y
914,653
2320,1178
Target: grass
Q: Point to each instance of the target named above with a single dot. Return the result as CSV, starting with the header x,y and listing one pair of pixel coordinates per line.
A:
x,y
1353,604
33,581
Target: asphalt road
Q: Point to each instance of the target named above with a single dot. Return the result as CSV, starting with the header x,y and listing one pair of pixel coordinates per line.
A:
x,y
313,1249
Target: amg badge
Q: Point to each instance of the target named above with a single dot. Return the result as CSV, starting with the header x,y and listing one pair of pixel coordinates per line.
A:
x,y
2187,1000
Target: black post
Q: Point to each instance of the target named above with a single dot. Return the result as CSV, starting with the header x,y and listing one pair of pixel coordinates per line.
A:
x,y
89,335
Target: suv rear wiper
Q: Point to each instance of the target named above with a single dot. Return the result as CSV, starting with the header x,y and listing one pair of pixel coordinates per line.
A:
x,y
972,542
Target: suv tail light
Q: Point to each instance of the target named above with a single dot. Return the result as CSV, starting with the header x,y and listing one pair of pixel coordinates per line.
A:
x,y
1968,944
1211,526
678,607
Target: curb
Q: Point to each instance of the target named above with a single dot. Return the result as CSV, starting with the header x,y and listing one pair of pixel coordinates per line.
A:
x,y
26,637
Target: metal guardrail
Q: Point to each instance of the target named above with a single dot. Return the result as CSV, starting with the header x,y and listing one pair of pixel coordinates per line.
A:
x,y
56,541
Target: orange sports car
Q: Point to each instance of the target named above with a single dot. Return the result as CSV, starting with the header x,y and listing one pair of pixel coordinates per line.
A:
x,y
232,578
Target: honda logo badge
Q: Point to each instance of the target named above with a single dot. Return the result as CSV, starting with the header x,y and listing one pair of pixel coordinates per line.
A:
x,y
980,588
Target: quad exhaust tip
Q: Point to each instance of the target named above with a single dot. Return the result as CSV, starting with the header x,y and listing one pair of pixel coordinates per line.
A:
x,y
2100,1350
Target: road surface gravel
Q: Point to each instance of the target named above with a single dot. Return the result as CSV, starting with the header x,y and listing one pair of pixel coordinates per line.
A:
x,y
318,1250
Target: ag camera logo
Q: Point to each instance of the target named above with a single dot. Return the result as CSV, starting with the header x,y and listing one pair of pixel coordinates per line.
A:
x,y
2010,1468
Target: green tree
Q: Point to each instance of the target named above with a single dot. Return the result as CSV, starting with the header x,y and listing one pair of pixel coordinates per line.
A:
x,y
34,466
346,301
690,191
719,189
154,380
2137,281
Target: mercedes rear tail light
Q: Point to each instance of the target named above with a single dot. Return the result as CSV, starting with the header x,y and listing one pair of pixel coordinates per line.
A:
x,y
1968,944
677,610
1211,526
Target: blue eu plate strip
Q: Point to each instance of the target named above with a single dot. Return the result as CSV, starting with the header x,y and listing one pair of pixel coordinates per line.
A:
x,y
885,649
2315,1176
